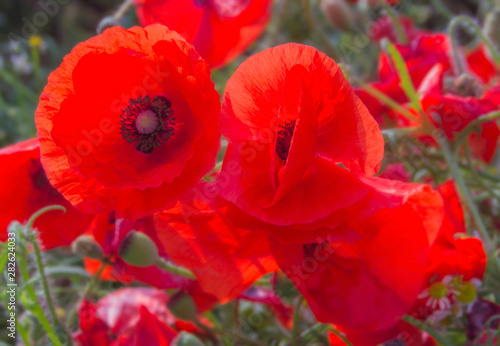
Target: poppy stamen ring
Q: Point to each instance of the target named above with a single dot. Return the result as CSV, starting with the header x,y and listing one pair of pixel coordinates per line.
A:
x,y
147,122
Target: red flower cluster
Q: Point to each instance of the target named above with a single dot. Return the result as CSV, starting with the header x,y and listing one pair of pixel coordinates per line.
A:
x,y
450,100
297,191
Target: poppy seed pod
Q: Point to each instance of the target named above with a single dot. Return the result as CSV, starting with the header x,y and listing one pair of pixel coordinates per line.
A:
x,y
138,249
86,246
182,306
338,13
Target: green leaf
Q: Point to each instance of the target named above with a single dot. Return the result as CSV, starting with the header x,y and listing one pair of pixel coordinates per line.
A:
x,y
406,83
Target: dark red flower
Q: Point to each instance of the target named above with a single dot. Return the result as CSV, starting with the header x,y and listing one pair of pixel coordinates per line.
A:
x,y
130,316
127,123
226,259
384,28
452,113
25,189
482,328
299,139
220,30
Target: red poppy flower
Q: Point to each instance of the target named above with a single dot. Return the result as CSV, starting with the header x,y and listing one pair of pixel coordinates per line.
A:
x,y
366,274
109,234
455,265
422,53
226,259
25,189
452,255
220,30
145,129
481,64
296,133
455,112
131,316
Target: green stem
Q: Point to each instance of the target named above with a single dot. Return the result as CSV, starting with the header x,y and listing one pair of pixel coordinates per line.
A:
x,y
452,33
390,103
19,326
424,327
312,333
455,172
442,9
472,126
492,192
94,281
400,33
35,57
172,268
124,7
43,278
12,80
32,219
90,286
332,52
36,308
296,318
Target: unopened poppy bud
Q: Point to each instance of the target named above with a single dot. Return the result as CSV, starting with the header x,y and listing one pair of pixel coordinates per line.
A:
x,y
467,85
467,293
338,13
138,249
182,306
491,25
186,339
86,246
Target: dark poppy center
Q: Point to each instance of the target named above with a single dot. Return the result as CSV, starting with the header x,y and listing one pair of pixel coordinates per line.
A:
x,y
200,3
147,122
285,135
313,248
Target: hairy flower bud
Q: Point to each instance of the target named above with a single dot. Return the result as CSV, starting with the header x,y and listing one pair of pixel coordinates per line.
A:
x,y
467,85
338,13
138,249
182,306
86,246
